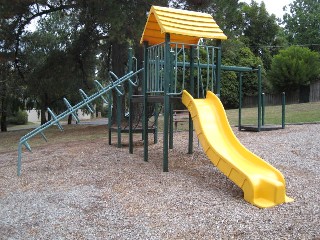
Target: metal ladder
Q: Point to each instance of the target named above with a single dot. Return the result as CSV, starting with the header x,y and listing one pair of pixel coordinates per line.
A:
x,y
86,102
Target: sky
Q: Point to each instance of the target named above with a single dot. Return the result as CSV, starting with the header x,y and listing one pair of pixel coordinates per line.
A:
x,y
273,6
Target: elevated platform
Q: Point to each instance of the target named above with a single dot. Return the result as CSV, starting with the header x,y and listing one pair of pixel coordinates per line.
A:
x,y
254,128
154,99
134,130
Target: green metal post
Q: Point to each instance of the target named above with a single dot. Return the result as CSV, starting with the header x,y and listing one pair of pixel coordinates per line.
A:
x,y
218,68
263,107
240,101
166,102
145,102
130,103
119,112
19,159
259,98
190,144
110,116
171,84
156,116
283,110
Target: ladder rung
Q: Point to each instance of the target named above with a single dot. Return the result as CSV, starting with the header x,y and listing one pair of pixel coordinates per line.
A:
x,y
86,100
119,91
99,87
43,136
55,119
26,144
71,110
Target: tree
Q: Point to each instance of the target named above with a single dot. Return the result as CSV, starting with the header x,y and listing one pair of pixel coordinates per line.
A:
x,y
69,53
124,25
228,15
4,82
302,23
294,67
14,17
59,58
260,30
236,53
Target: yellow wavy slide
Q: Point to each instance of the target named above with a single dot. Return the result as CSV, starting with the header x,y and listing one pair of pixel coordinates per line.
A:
x,y
263,185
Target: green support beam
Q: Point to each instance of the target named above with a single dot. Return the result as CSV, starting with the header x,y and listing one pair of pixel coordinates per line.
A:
x,y
190,143
240,101
283,110
262,108
171,88
259,98
145,102
130,87
167,76
218,68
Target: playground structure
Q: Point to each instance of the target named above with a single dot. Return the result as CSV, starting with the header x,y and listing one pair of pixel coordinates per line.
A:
x,y
174,66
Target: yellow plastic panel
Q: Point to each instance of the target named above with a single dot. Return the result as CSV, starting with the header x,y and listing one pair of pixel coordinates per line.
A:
x,y
183,26
262,184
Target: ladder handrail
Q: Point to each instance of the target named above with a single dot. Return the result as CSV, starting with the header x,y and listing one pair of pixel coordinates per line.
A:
x,y
71,110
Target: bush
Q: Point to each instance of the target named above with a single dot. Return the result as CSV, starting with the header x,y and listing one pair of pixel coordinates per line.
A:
x,y
19,118
294,67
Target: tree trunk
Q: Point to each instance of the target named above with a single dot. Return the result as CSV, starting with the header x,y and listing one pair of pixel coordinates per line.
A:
x,y
3,121
3,116
70,119
119,62
44,109
43,115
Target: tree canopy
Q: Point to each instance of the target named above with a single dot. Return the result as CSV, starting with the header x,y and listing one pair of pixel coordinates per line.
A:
x,y
61,56
260,30
294,67
302,23
76,42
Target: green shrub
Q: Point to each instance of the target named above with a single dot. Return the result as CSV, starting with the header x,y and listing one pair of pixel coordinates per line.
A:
x,y
19,118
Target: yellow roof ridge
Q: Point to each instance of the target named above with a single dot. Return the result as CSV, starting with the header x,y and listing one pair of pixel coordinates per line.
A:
x,y
185,12
183,26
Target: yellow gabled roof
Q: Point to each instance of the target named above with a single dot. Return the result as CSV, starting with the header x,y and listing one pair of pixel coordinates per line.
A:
x,y
183,26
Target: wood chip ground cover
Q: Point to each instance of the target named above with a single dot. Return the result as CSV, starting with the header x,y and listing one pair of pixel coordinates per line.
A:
x,y
85,189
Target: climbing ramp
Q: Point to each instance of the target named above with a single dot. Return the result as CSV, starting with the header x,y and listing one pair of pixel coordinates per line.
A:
x,y
262,184
86,102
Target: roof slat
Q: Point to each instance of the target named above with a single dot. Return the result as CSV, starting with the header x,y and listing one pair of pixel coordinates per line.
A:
x,y
180,11
187,23
170,27
186,17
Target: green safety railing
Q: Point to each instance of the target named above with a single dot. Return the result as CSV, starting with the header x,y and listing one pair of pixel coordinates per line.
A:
x,y
205,64
86,102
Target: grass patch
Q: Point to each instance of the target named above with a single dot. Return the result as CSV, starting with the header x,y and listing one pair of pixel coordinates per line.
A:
x,y
73,133
295,113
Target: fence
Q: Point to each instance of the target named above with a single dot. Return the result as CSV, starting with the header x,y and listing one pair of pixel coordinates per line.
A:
x,y
314,92
291,97
271,99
